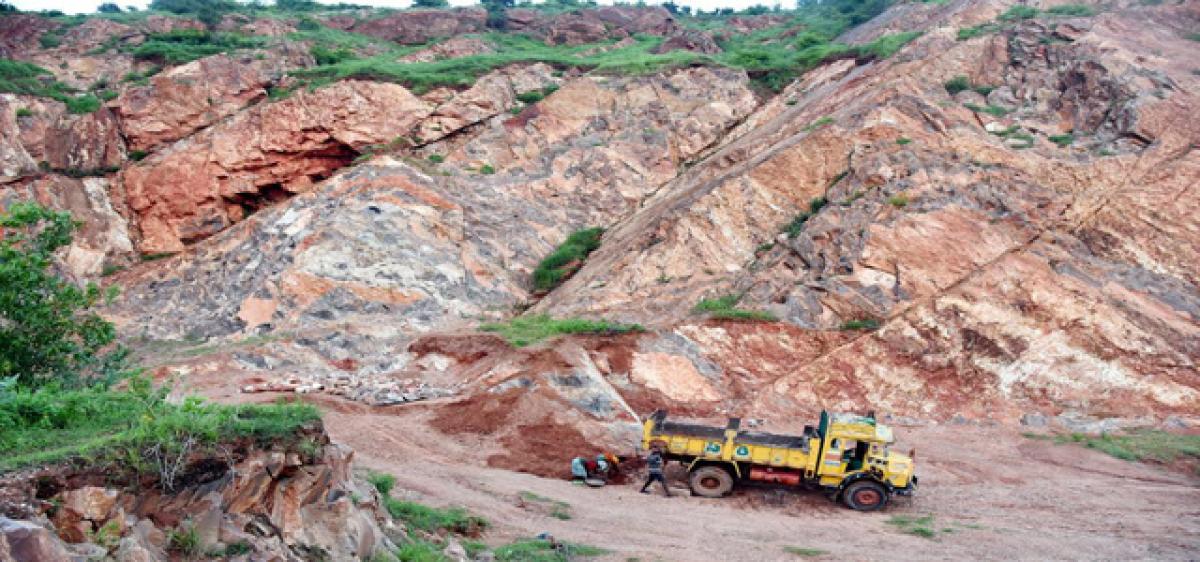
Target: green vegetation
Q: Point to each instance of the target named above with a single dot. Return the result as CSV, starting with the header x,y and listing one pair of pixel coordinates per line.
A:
x,y
437,158
975,31
919,526
887,45
1193,36
805,552
432,520
558,509
50,331
487,169
534,550
184,539
24,112
957,84
725,308
993,110
323,55
525,330
137,155
861,324
382,482
185,45
899,200
902,141
1074,10
110,269
1019,12
535,96
566,258
24,78
1063,140
1026,139
1141,445
155,256
794,228
141,78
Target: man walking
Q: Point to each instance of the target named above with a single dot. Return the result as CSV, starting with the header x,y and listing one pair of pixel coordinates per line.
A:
x,y
654,461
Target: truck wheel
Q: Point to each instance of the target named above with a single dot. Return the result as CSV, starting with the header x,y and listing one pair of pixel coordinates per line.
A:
x,y
865,495
710,481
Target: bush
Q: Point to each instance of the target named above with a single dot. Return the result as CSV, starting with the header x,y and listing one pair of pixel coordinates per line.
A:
x,y
566,259
382,482
184,539
887,45
50,333
487,169
49,40
899,200
957,84
24,112
972,32
330,56
186,45
903,141
108,8
993,110
437,158
526,330
137,155
1064,140
724,308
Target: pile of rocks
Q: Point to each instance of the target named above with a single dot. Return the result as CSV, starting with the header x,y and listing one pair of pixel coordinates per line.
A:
x,y
379,390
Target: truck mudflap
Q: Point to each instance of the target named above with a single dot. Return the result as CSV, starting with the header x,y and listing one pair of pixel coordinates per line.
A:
x,y
908,490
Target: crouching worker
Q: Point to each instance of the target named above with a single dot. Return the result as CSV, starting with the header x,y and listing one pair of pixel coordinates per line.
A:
x,y
579,469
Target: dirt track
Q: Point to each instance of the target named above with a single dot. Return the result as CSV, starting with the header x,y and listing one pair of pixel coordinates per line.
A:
x,y
992,493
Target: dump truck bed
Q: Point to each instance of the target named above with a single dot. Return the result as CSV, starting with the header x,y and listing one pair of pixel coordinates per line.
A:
x,y
694,441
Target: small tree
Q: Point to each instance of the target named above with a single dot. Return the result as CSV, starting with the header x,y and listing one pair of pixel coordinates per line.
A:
x,y
6,7
48,332
108,8
497,18
431,3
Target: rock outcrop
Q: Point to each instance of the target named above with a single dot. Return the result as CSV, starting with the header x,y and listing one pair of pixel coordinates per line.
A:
x,y
414,27
578,27
202,184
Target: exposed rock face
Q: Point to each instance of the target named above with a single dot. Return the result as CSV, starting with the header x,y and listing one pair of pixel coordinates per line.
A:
x,y
19,33
452,48
186,98
491,95
413,27
103,236
203,184
1025,275
279,504
15,161
391,249
689,40
89,143
590,25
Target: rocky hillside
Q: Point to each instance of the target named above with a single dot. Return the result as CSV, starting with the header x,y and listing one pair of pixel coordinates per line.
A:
x,y
970,208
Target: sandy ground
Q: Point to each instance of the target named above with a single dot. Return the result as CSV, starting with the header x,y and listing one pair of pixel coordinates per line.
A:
x,y
993,494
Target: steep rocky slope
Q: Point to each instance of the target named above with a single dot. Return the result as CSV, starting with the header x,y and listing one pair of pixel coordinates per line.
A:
x,y
1011,206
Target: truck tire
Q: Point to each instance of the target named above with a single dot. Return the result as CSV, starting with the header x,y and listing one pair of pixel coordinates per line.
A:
x,y
865,495
710,481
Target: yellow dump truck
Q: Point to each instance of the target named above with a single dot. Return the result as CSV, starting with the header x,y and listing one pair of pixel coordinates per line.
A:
x,y
846,455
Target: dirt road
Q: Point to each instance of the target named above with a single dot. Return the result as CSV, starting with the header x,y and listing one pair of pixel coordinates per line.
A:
x,y
992,494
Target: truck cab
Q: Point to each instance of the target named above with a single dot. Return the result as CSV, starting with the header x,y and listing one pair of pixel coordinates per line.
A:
x,y
857,449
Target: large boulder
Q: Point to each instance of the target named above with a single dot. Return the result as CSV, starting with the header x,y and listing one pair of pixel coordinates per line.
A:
x,y
23,541
413,27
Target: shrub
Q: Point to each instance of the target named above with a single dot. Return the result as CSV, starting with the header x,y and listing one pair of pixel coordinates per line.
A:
x,y
724,308
137,155
186,45
108,95
184,539
437,158
794,228
24,112
903,141
49,40
323,55
861,324
50,333
958,84
899,200
993,110
566,258
487,169
975,31
382,482
1019,12
887,45
526,330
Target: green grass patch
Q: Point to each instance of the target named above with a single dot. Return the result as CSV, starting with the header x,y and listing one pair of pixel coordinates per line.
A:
x,y
902,141
993,110
46,425
566,258
535,96
975,31
432,520
1142,445
557,509
534,550
887,45
186,45
19,77
437,158
899,201
919,526
805,552
487,169
1018,13
24,112
957,84
861,324
382,482
526,330
819,123
725,308
1063,140
1071,10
